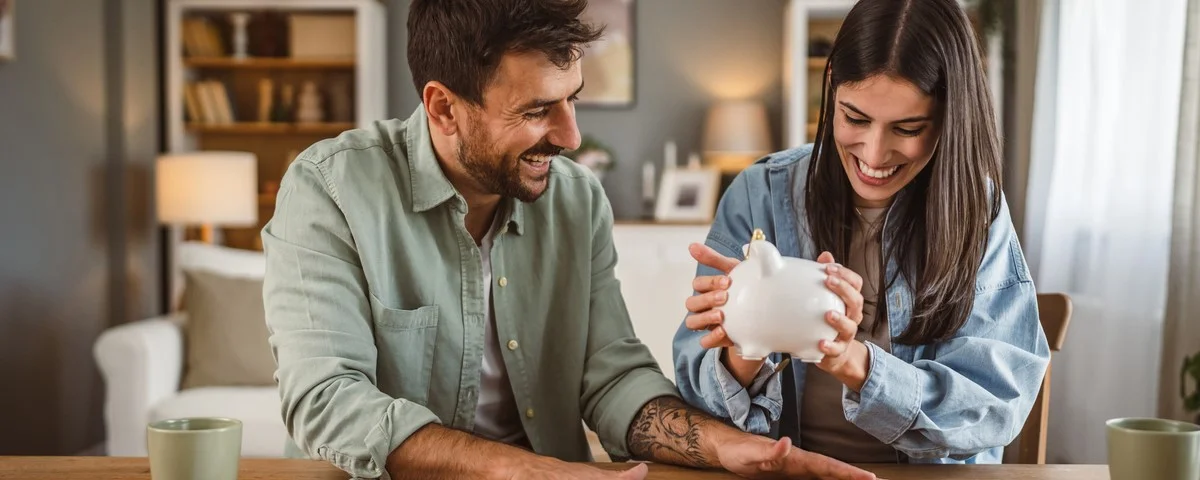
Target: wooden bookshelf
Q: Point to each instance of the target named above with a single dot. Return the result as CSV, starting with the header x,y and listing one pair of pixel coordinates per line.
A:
x,y
269,63
259,128
309,70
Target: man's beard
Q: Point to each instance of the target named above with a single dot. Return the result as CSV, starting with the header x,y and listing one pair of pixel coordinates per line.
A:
x,y
500,174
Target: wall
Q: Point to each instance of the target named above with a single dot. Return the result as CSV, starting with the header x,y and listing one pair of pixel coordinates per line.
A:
x,y
78,113
688,53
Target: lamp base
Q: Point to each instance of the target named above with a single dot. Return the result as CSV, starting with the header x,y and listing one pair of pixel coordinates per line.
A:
x,y
207,233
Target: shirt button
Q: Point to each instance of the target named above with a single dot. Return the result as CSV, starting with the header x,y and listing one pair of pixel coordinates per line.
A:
x,y
503,282
512,344
529,413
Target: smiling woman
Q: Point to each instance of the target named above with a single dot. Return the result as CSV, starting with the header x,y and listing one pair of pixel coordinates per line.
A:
x,y
900,197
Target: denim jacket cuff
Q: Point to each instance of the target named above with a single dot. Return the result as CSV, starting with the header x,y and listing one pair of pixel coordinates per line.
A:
x,y
750,411
890,399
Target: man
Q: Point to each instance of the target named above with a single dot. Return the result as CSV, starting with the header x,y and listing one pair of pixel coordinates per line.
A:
x,y
440,291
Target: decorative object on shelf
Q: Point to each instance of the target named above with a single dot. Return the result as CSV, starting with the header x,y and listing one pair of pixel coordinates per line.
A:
x,y
207,189
308,107
1191,369
670,156
317,35
284,110
240,43
268,32
608,71
341,108
736,133
687,195
8,37
266,99
648,193
593,155
819,47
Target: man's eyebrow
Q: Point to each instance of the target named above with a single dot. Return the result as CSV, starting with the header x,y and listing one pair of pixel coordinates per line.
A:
x,y
539,103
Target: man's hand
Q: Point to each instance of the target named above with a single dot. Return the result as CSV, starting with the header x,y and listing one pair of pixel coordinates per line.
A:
x,y
669,431
752,456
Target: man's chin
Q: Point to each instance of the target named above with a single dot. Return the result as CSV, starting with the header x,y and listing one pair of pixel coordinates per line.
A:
x,y
532,190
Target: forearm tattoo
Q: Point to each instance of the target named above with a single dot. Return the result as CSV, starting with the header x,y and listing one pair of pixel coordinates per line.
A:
x,y
669,431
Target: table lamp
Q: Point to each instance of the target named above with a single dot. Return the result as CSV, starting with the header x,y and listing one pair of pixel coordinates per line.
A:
x,y
208,189
736,134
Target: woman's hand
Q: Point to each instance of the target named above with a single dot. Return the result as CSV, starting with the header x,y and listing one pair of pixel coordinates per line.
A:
x,y
711,292
846,359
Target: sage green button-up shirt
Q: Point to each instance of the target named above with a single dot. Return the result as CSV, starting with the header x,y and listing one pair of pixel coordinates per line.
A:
x,y
374,300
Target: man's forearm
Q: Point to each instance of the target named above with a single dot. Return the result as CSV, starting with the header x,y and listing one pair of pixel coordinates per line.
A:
x,y
435,451
670,431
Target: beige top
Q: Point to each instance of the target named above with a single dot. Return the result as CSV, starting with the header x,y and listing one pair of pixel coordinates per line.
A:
x,y
823,425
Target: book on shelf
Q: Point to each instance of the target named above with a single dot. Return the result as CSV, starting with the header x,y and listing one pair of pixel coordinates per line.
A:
x,y
208,102
202,38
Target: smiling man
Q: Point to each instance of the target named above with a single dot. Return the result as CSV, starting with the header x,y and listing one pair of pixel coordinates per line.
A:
x,y
441,291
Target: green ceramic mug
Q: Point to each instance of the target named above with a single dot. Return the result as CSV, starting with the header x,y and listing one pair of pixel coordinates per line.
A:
x,y
194,448
1145,448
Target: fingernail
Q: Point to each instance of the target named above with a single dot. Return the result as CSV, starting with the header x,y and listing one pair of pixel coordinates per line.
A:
x,y
831,268
723,282
834,281
723,297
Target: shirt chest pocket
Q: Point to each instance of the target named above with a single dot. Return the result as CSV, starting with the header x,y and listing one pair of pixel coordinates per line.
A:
x,y
406,341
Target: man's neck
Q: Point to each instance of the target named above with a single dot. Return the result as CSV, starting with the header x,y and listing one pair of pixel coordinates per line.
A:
x,y
481,206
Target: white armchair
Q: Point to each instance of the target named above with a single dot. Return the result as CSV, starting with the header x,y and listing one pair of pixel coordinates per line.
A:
x,y
142,364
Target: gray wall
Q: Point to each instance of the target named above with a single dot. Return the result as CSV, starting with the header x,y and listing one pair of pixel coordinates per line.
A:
x,y
689,53
78,120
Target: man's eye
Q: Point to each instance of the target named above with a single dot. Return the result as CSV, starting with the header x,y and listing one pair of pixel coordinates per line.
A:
x,y
537,114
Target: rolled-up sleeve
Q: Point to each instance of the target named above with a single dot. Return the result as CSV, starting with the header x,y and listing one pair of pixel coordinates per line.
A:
x,y
319,318
620,374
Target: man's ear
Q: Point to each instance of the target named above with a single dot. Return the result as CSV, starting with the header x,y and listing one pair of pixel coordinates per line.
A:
x,y
439,104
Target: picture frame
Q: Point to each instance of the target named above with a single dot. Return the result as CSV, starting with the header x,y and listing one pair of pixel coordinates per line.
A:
x,y
609,64
688,195
8,37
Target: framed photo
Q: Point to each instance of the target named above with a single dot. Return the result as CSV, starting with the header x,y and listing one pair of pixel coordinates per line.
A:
x,y
688,195
608,63
8,38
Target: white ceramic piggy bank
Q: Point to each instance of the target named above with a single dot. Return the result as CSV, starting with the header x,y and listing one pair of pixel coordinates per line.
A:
x,y
778,304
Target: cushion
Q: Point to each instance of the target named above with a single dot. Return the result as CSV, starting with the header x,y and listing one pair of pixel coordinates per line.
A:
x,y
258,408
226,332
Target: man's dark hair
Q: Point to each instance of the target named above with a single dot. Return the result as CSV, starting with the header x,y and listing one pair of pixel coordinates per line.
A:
x,y
460,42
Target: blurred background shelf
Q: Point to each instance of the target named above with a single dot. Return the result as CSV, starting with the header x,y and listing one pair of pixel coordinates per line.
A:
x,y
260,63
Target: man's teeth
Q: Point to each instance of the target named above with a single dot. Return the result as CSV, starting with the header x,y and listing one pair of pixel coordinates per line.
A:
x,y
873,173
537,160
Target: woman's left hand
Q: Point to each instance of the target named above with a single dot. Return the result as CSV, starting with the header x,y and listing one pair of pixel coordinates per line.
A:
x,y
845,358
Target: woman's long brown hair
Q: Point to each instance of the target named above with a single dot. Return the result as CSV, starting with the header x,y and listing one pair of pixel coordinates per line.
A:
x,y
938,226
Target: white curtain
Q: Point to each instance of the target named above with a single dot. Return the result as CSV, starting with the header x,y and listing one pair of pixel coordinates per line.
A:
x,y
1182,327
1099,205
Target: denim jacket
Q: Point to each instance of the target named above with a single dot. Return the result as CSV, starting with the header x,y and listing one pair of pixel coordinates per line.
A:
x,y
957,401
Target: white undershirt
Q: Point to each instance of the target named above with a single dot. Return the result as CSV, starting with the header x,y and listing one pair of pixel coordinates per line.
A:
x,y
496,415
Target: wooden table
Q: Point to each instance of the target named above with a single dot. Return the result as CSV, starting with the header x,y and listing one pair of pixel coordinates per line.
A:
x,y
119,468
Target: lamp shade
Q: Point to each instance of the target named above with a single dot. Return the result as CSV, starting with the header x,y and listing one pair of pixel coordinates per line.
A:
x,y
736,133
208,188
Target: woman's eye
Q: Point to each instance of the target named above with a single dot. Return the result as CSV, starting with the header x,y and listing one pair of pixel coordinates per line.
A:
x,y
857,121
909,133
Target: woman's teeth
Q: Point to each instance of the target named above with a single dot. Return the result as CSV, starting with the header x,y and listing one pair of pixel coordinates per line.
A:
x,y
874,173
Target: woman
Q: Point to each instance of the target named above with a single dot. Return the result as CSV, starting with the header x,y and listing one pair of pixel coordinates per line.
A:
x,y
939,354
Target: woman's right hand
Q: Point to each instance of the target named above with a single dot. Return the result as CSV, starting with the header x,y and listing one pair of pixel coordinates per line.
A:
x,y
712,291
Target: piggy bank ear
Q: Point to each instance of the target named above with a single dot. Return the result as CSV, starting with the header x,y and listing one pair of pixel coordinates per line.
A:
x,y
766,255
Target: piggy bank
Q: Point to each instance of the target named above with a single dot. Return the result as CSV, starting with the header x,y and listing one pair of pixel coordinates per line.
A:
x,y
778,304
